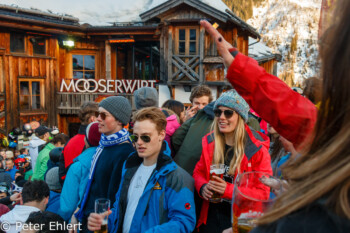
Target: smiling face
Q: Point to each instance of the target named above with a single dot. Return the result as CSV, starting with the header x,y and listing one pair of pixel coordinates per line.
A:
x,y
225,125
109,125
148,151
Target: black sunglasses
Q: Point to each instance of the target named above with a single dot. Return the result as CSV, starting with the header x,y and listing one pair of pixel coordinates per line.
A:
x,y
144,138
228,113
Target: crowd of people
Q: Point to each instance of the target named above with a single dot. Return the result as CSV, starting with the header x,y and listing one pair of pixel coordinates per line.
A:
x,y
153,164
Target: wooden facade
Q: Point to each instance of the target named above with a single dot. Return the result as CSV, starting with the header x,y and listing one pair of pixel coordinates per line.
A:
x,y
169,46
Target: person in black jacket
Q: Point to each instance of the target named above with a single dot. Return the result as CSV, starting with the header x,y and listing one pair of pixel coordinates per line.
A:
x,y
107,162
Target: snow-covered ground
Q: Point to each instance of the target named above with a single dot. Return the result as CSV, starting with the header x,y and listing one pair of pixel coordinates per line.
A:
x,y
279,21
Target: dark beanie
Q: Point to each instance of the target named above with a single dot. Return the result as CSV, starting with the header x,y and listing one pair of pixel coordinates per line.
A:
x,y
119,107
92,134
146,97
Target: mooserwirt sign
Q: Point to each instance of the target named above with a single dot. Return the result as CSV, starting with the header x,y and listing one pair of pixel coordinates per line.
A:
x,y
104,86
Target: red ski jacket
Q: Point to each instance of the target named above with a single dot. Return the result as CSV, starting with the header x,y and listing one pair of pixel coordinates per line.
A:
x,y
256,158
292,115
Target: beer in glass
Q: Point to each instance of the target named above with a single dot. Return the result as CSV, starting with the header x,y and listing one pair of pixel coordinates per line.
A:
x,y
251,199
102,205
217,170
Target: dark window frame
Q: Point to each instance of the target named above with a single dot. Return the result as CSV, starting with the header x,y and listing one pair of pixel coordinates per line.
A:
x,y
13,40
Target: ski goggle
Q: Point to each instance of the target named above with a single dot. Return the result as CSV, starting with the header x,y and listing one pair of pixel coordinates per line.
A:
x,y
144,138
227,113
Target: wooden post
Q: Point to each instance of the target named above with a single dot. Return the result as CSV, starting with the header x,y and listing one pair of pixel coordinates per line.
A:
x,y
108,60
201,54
162,57
170,52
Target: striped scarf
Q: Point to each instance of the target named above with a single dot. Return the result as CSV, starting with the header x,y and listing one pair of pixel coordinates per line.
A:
x,y
106,141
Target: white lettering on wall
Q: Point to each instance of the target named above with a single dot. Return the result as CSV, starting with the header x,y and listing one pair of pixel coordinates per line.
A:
x,y
104,86
63,84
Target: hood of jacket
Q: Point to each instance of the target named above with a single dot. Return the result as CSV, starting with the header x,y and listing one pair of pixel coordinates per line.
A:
x,y
86,157
19,213
172,125
209,110
35,142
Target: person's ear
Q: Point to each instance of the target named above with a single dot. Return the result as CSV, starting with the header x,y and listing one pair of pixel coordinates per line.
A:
x,y
162,135
46,200
92,119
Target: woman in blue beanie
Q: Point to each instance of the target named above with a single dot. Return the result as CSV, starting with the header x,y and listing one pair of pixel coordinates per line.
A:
x,y
239,148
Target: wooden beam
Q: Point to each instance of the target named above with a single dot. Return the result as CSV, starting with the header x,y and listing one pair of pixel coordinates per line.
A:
x,y
125,33
201,53
182,66
40,29
108,59
189,63
170,52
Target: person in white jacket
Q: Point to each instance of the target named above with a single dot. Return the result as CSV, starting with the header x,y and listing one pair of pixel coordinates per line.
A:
x,y
35,196
41,137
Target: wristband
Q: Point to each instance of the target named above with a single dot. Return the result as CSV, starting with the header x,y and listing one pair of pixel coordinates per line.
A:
x,y
233,52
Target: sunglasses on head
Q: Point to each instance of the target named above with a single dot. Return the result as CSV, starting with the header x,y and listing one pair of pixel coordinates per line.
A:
x,y
227,113
144,138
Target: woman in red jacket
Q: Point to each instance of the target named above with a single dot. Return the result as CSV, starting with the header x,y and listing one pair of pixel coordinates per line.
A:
x,y
241,149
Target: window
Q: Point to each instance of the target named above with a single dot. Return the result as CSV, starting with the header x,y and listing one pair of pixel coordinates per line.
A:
x,y
139,60
84,66
17,43
31,94
39,45
187,38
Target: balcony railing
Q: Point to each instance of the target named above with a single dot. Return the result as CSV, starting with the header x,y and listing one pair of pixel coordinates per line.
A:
x,y
69,102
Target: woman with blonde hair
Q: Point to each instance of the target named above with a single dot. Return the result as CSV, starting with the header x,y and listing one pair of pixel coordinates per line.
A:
x,y
240,149
318,199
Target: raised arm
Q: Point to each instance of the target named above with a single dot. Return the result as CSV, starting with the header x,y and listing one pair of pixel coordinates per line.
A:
x,y
292,115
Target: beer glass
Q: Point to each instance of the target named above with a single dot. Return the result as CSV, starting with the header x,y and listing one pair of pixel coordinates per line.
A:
x,y
101,206
251,198
218,170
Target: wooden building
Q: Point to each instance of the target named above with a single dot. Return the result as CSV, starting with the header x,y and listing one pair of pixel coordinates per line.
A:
x,y
264,56
51,64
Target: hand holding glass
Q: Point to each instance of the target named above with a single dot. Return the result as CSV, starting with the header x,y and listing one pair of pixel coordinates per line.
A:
x,y
217,170
102,205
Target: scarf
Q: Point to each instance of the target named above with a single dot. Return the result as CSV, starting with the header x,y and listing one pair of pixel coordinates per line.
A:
x,y
105,141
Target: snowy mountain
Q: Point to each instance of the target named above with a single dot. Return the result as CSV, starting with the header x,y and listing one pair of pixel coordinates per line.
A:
x,y
290,27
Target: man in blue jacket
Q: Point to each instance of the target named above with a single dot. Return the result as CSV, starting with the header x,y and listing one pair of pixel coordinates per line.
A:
x,y
155,195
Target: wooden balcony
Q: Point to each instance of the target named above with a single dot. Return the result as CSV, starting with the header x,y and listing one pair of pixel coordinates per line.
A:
x,y
69,103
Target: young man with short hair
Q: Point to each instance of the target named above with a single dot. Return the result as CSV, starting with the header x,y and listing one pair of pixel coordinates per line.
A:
x,y
200,97
155,194
35,195
107,162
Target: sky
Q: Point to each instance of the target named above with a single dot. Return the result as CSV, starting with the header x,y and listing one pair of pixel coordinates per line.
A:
x,y
102,12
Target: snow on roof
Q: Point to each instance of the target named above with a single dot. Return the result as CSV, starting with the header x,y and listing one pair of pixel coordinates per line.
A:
x,y
102,12
217,4
258,50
